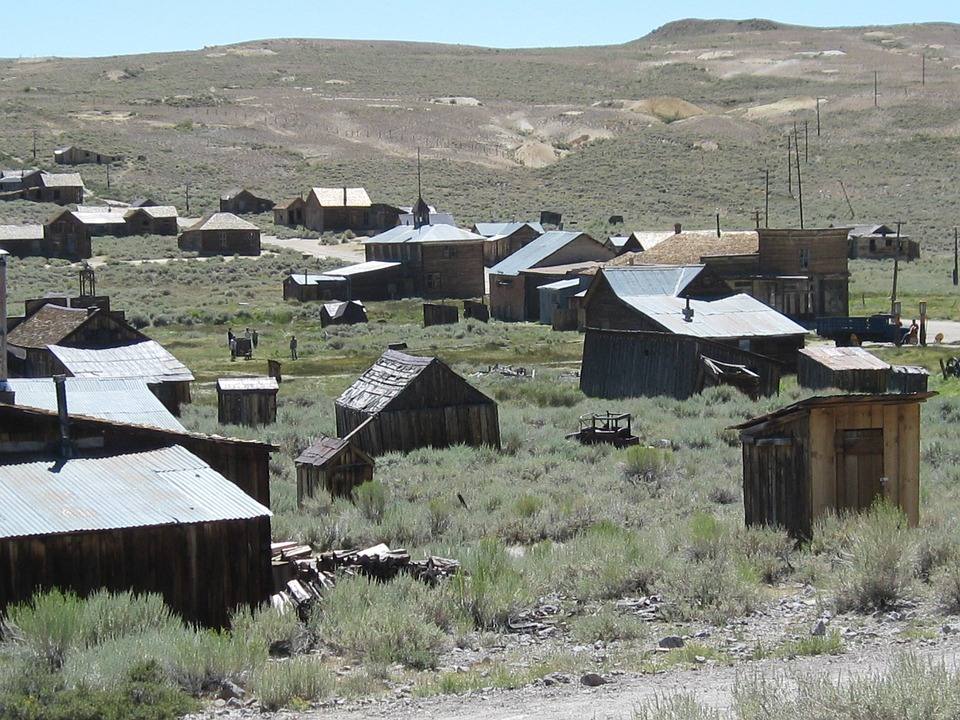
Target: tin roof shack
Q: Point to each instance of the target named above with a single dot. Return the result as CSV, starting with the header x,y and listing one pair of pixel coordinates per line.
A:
x,y
332,464
632,363
147,361
876,242
436,260
372,280
347,312
64,236
607,302
51,324
555,307
241,201
221,234
247,401
415,402
22,240
73,155
289,212
513,293
59,188
152,220
846,368
306,287
341,209
836,453
505,238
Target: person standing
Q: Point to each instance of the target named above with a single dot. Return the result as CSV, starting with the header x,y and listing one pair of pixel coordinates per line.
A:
x,y
255,337
293,348
230,337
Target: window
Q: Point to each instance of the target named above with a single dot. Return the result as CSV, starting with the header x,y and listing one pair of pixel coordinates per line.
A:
x,y
804,258
433,281
449,252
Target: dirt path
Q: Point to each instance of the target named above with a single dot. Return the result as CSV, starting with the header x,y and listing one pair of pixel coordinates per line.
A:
x,y
712,686
349,252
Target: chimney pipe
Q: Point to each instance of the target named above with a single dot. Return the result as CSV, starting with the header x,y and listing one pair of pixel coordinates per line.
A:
x,y
718,224
6,392
677,227
66,446
344,195
688,312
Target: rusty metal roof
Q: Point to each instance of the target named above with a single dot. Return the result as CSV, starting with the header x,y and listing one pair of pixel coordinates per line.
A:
x,y
248,383
148,361
49,325
44,495
845,358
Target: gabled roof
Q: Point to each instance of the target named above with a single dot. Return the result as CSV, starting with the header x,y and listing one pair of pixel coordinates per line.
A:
x,y
688,248
61,179
321,451
308,279
844,358
651,279
536,252
489,229
740,316
649,239
105,217
157,212
821,401
222,221
288,203
341,197
386,380
21,232
148,361
364,267
867,230
48,326
141,202
335,310
268,384
42,494
427,233
125,401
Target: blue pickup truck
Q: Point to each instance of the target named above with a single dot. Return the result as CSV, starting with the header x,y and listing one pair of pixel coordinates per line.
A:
x,y
873,328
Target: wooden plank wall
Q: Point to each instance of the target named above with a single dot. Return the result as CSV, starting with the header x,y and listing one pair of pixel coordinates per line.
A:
x,y
339,476
815,375
246,407
776,488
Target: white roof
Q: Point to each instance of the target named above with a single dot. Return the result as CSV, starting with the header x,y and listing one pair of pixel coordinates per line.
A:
x,y
148,361
334,197
363,267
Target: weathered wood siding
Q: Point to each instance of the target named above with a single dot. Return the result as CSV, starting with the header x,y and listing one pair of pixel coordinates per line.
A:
x,y
338,476
776,479
246,407
453,270
221,242
507,297
434,314
815,375
203,570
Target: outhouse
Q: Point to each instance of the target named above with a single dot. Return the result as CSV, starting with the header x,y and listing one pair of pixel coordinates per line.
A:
x,y
247,401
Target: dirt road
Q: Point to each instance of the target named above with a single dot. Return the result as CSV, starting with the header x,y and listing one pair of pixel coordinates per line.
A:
x,y
348,252
711,685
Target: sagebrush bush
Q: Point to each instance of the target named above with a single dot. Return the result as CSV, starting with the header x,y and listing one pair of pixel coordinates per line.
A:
x,y
297,680
647,463
608,624
490,588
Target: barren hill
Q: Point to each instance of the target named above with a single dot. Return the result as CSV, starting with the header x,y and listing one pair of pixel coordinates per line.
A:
x,y
672,127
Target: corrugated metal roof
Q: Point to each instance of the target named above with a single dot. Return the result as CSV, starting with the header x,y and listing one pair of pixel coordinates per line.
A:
x,y
21,232
845,358
43,495
308,279
148,361
248,383
342,197
47,326
740,316
651,279
364,267
427,233
535,253
222,221
833,400
489,229
125,401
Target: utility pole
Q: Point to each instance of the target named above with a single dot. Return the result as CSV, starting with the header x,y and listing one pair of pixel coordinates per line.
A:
x,y
896,274
923,68
956,258
789,167
718,224
796,147
876,88
756,217
846,197
766,198
806,141
34,144
818,115
186,194
108,175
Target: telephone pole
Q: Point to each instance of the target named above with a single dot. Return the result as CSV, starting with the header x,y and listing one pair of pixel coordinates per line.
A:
x,y
766,198
34,144
956,258
186,194
789,167
806,141
818,115
876,88
796,148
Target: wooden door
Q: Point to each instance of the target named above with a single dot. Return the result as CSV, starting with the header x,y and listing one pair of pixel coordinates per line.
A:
x,y
859,468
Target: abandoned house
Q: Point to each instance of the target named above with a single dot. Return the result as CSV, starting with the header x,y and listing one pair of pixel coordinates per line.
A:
x,y
147,361
241,201
306,287
247,401
101,221
336,465
436,260
341,209
59,188
371,280
73,155
513,282
505,238
838,453
607,301
93,504
855,370
440,314
555,307
414,402
621,244
289,212
22,240
63,236
221,234
638,363
345,312
151,220
876,242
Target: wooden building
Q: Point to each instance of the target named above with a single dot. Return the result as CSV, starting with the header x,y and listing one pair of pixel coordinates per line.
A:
x,y
855,370
621,244
63,236
336,465
307,287
341,209
248,401
92,504
879,242
372,280
475,310
514,292
73,155
505,238
102,221
415,402
59,188
435,260
289,212
555,308
838,453
241,201
221,234
151,220
346,312
631,363
439,314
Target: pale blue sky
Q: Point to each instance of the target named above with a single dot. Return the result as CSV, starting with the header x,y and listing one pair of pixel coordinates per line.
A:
x,y
113,27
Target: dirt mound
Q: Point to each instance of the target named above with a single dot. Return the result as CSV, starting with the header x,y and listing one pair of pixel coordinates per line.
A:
x,y
720,128
781,107
692,27
665,108
535,154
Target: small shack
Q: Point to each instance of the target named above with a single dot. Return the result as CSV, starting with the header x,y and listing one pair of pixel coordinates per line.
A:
x,y
475,310
289,213
241,201
247,401
838,453
348,312
846,368
437,314
221,233
415,402
555,302
306,287
336,465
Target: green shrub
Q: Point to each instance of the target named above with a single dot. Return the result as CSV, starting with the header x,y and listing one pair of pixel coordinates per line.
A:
x,y
647,463
829,644
290,682
677,707
371,499
607,624
947,584
50,623
715,590
490,589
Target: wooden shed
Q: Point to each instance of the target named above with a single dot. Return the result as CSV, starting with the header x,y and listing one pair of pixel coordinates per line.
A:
x,y
289,212
438,314
636,363
335,465
247,401
846,368
348,312
241,201
838,453
415,402
306,287
221,233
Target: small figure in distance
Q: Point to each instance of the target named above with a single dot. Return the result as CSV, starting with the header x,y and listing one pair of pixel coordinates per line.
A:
x,y
293,348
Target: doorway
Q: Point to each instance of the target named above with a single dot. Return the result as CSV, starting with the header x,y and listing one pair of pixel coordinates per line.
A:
x,y
859,468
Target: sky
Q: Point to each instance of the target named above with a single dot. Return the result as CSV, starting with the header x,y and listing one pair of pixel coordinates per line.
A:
x,y
122,27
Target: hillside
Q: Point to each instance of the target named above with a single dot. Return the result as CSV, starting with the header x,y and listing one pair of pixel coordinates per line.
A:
x,y
672,127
